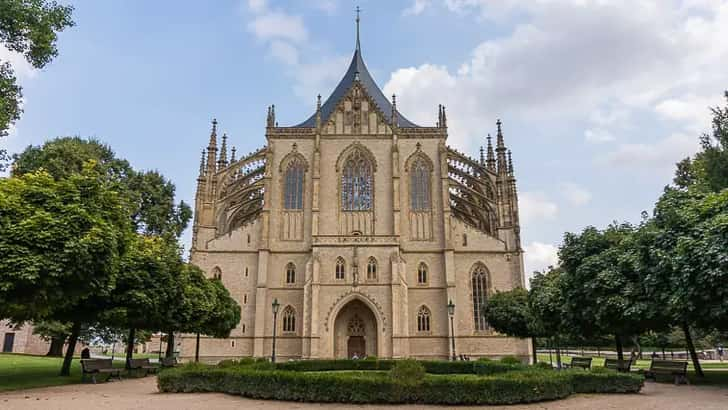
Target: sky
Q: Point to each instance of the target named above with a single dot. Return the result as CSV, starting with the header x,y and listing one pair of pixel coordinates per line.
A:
x,y
598,98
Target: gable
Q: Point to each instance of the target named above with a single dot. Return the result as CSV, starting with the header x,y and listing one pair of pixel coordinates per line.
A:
x,y
356,113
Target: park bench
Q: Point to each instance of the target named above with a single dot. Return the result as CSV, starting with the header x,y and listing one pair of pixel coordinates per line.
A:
x,y
618,365
169,362
142,364
583,362
99,366
678,370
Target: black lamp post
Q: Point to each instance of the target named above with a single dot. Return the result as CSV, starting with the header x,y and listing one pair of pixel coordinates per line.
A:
x,y
275,305
451,313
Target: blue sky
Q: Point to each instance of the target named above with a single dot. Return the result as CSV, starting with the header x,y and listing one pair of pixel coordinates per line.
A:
x,y
598,99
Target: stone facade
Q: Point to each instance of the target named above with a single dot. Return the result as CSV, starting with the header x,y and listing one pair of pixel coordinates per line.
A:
x,y
22,340
363,226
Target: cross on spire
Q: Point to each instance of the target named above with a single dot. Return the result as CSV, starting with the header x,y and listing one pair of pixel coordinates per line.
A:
x,y
358,46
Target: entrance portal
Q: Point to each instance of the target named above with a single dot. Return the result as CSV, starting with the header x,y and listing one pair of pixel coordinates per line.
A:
x,y
355,331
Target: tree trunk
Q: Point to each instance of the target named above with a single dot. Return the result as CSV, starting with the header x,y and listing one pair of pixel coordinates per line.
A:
x,y
75,331
56,349
130,348
533,347
620,350
197,349
558,357
663,353
170,345
693,354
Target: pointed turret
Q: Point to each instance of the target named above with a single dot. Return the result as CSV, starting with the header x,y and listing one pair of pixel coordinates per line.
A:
x,y
395,117
482,156
222,161
443,121
232,155
357,72
212,149
501,150
271,120
510,164
318,111
439,115
202,164
490,161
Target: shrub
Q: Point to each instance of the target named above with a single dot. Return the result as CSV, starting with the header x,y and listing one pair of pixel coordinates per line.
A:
x,y
519,386
407,372
510,360
543,365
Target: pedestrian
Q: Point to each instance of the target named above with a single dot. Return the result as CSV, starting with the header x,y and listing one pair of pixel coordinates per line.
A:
x,y
720,352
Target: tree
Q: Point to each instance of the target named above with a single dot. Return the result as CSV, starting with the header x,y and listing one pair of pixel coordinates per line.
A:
x,y
29,27
153,209
510,313
149,272
688,275
547,306
603,287
61,242
708,169
55,332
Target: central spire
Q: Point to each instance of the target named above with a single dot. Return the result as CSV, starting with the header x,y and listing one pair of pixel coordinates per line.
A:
x,y
358,46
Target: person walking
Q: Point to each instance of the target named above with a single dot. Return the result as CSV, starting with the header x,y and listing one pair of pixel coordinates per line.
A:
x,y
719,350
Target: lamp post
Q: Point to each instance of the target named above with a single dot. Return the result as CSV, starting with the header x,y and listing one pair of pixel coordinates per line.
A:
x,y
451,313
275,305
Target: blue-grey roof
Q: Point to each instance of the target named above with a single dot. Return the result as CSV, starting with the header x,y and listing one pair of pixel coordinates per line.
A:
x,y
357,66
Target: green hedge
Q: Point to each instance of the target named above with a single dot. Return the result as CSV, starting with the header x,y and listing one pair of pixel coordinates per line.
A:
x,y
431,366
522,386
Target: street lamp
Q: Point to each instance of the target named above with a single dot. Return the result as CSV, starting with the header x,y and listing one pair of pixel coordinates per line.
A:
x,y
451,313
275,305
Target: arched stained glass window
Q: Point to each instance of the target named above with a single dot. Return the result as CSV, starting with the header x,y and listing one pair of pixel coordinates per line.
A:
x,y
423,319
420,185
356,183
480,295
291,273
340,268
372,268
422,273
289,319
293,194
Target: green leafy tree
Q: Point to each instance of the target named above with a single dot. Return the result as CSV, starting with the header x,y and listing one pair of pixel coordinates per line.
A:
x,y
510,313
55,332
708,169
61,242
689,271
547,306
153,209
29,27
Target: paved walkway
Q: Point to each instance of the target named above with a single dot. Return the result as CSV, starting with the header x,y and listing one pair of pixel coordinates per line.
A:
x,y
142,394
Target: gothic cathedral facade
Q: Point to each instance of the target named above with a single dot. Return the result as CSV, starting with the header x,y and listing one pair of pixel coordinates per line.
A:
x,y
364,227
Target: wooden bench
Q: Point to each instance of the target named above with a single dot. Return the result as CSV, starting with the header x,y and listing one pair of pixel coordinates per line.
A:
x,y
583,362
677,369
169,362
618,365
99,366
142,364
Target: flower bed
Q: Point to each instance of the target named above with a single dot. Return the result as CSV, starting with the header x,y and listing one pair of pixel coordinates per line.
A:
x,y
297,382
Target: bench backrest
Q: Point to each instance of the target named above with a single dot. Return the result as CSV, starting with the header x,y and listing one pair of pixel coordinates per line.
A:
x,y
669,365
137,363
169,361
617,364
581,361
90,365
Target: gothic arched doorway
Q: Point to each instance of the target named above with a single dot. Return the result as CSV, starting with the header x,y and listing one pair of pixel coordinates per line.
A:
x,y
355,331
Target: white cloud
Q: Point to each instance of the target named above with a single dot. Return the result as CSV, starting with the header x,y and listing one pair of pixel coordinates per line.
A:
x,y
575,194
539,256
417,7
258,6
535,206
276,25
598,136
660,155
567,59
284,52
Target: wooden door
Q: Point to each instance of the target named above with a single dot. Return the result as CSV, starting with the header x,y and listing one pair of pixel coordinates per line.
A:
x,y
8,343
356,346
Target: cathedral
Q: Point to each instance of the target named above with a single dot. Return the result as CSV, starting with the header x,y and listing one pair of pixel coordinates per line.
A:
x,y
369,233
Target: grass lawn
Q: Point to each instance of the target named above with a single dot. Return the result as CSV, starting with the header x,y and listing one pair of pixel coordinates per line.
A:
x,y
19,371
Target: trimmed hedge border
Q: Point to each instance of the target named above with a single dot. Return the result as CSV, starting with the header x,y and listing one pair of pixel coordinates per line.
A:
x,y
482,367
525,385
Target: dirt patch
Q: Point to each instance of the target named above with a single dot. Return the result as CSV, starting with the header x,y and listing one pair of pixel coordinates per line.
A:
x,y
143,394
